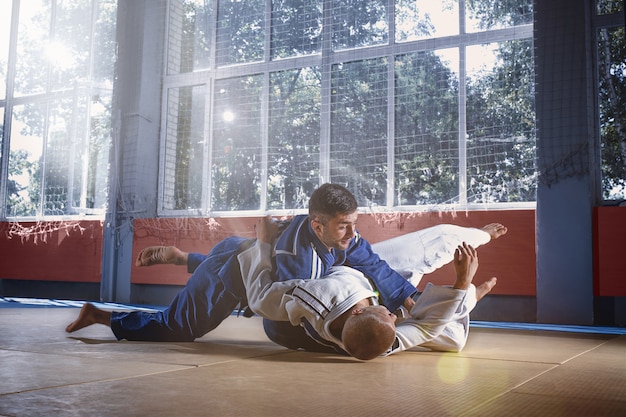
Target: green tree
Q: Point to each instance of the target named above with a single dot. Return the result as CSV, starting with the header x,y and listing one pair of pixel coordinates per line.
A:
x,y
501,128
358,146
294,137
612,105
21,167
66,54
426,134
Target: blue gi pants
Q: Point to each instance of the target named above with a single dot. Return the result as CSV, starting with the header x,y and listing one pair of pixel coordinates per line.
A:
x,y
212,293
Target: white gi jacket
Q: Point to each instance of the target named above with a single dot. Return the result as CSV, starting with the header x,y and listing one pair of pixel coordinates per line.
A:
x,y
439,319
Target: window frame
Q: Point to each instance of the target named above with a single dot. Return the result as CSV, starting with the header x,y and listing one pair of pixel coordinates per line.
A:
x,y
325,60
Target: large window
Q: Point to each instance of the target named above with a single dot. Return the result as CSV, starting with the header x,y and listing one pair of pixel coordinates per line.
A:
x,y
426,103
611,58
55,102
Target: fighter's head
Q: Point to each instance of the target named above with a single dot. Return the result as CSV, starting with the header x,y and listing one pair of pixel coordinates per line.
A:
x,y
369,332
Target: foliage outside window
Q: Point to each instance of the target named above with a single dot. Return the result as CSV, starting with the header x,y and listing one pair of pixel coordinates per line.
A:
x,y
611,55
426,104
57,104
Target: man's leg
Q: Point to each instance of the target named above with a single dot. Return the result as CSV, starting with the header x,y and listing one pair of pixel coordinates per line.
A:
x,y
424,251
88,315
210,296
198,308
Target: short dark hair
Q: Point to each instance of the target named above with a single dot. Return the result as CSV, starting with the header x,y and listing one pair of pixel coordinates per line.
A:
x,y
366,337
331,199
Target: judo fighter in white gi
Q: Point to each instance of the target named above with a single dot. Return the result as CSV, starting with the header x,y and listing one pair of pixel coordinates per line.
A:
x,y
342,308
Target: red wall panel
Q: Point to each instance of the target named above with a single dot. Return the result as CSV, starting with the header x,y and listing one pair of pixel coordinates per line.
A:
x,y
609,251
71,251
511,258
51,251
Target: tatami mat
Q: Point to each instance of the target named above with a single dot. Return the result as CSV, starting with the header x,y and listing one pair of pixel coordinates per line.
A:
x,y
237,371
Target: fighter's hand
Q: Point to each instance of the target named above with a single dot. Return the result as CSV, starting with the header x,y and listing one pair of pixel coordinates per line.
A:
x,y
466,265
409,303
266,229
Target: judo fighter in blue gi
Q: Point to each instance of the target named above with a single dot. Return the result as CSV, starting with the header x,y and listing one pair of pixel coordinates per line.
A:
x,y
307,247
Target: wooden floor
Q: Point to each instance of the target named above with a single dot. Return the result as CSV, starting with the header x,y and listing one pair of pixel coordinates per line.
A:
x,y
237,371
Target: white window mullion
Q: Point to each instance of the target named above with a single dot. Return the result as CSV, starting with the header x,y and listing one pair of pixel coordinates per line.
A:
x,y
462,128
391,110
326,93
264,140
462,110
208,149
390,132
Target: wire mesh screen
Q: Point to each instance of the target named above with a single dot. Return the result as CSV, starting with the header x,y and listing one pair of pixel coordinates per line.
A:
x,y
60,99
294,137
570,117
237,150
427,127
358,145
398,120
611,52
500,122
184,148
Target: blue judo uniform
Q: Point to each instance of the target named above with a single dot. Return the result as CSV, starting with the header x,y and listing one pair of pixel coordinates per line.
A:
x,y
215,288
299,254
212,293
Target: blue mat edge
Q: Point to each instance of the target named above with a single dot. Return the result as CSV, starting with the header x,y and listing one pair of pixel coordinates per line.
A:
x,y
18,302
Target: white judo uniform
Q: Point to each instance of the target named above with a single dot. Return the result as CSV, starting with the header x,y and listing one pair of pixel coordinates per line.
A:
x,y
439,320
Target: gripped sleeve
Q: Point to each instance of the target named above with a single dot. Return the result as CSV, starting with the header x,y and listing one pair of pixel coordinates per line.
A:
x,y
394,289
435,309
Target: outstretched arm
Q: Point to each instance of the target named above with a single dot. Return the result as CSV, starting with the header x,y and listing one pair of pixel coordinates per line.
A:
x,y
265,297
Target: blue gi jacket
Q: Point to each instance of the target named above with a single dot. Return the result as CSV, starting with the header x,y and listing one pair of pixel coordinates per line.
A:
x,y
299,249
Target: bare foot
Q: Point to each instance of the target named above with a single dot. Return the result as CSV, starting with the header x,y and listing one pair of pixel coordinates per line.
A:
x,y
484,288
88,315
495,230
153,255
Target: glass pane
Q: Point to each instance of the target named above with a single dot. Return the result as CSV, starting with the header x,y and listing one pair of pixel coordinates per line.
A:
x,y
68,52
33,52
1,131
236,169
294,137
609,6
501,123
240,31
422,19
184,148
61,161
426,127
188,37
94,156
24,184
5,26
296,28
104,51
59,152
497,14
612,102
359,23
358,146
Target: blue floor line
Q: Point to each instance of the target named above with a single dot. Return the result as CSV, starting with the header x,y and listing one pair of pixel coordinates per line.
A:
x,y
17,302
548,327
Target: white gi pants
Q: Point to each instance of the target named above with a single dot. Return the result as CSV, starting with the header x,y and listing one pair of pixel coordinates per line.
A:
x,y
418,253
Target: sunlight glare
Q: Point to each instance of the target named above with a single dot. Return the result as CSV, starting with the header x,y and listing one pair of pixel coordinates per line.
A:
x,y
59,55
